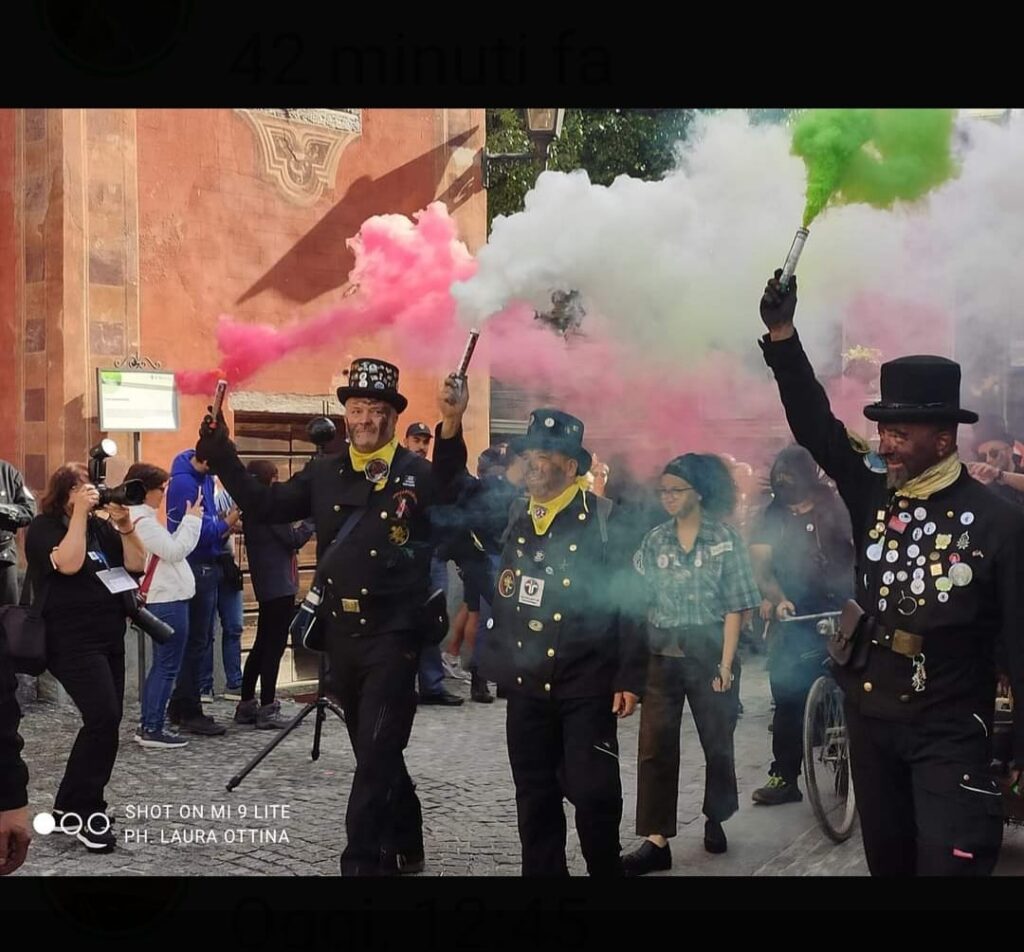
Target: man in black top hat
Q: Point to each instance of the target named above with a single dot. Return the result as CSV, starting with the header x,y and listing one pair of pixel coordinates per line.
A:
x,y
369,503
939,563
560,649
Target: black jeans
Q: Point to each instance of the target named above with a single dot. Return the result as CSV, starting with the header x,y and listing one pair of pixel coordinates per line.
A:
x,y
928,805
264,659
90,666
795,661
565,749
374,677
670,683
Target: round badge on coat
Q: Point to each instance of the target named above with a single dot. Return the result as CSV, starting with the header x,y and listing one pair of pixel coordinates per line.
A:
x,y
920,514
874,552
662,561
507,584
943,596
913,551
905,517
377,469
882,604
892,556
929,528
967,518
888,578
960,574
917,534
917,586
943,584
901,576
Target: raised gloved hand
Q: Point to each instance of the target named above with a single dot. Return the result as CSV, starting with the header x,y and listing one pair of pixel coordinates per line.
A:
x,y
214,442
777,306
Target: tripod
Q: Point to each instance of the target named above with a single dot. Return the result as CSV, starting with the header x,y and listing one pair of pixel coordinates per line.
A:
x,y
321,705
321,431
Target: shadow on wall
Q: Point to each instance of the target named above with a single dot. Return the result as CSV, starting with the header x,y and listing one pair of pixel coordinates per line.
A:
x,y
320,261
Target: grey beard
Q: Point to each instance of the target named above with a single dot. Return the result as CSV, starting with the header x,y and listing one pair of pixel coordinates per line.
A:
x,y
893,481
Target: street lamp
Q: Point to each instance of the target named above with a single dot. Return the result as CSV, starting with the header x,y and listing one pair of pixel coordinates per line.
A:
x,y
543,126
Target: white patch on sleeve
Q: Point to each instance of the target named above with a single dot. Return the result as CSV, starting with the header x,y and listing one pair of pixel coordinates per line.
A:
x,y
720,548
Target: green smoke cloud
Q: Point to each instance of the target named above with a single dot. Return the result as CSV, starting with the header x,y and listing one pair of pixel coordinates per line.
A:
x,y
877,156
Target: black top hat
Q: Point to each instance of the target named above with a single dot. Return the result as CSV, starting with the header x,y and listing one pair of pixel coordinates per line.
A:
x,y
551,429
920,389
373,379
419,429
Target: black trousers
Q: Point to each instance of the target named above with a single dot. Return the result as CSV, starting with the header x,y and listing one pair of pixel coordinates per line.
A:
x,y
374,678
670,683
927,802
91,669
796,659
264,660
8,584
567,749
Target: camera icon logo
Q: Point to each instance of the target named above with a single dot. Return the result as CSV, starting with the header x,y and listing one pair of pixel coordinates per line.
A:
x,y
70,823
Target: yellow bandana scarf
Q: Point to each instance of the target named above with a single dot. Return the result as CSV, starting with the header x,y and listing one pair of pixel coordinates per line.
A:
x,y
360,460
543,513
933,479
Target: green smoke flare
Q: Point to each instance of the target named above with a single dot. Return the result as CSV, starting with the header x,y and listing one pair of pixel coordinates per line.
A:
x,y
877,156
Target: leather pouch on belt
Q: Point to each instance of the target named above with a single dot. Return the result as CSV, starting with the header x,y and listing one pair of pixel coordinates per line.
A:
x,y
842,641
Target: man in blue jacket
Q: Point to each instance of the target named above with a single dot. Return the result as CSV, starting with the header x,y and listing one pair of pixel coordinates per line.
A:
x,y
189,478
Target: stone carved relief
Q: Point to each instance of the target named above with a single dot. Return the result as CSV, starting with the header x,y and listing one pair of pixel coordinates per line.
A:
x,y
299,149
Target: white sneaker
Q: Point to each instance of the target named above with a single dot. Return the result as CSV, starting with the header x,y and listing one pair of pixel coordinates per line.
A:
x,y
207,698
452,665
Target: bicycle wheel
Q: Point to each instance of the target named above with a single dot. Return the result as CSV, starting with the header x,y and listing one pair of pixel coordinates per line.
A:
x,y
827,760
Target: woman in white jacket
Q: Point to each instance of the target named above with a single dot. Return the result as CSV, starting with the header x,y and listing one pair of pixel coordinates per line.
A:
x,y
168,586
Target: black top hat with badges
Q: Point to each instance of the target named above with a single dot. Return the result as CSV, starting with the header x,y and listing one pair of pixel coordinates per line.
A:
x,y
551,429
920,389
373,379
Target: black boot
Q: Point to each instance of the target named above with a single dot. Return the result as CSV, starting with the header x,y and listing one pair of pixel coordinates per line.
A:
x,y
478,689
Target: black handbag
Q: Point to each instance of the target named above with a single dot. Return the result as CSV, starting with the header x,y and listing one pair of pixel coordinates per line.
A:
x,y
23,634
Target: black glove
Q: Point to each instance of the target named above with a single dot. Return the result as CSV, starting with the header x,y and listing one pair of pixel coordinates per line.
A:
x,y
214,441
11,517
778,306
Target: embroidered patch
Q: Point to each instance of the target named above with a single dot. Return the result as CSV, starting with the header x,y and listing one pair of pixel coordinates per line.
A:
x,y
507,583
398,533
409,482
531,591
719,549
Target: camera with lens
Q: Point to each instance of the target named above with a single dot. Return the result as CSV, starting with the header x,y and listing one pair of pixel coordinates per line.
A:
x,y
143,619
132,492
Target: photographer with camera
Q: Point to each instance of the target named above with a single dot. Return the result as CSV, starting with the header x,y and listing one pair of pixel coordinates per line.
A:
x,y
167,589
76,567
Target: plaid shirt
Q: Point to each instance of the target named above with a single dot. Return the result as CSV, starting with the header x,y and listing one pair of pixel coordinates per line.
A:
x,y
700,587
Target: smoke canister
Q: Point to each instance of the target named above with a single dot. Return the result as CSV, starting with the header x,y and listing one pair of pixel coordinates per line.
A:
x,y
793,257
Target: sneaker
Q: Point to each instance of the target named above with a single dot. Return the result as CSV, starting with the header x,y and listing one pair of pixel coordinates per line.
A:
x,y
207,697
233,692
776,791
245,711
158,739
714,837
647,858
452,665
97,842
203,724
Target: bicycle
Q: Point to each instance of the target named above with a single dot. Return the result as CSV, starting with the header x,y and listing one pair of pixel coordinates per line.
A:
x,y
826,752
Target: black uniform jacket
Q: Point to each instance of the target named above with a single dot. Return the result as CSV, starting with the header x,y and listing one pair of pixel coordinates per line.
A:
x,y
949,568
376,579
566,609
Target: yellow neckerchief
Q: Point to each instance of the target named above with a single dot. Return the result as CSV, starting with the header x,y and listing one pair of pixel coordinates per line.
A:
x,y
933,479
360,460
548,510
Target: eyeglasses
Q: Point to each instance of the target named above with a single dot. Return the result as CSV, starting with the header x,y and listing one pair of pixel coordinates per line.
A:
x,y
675,492
993,453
